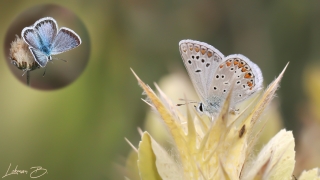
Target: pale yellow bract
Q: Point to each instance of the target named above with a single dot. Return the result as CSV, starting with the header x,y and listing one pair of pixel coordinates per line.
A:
x,y
220,149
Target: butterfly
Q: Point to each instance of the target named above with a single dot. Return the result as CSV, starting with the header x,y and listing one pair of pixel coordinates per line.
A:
x,y
213,75
45,39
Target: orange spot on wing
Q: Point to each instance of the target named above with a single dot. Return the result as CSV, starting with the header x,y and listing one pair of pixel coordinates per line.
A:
x,y
221,66
184,47
228,63
203,50
209,53
243,69
241,64
247,75
196,48
190,47
235,62
249,84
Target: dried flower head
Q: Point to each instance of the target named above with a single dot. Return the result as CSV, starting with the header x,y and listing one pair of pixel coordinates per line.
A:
x,y
202,149
21,56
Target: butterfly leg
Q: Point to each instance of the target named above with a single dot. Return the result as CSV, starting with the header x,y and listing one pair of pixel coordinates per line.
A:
x,y
45,69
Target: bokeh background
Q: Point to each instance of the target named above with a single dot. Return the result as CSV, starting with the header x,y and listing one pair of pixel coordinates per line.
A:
x,y
77,132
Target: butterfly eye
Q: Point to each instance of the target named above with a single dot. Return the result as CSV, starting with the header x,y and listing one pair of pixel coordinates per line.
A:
x,y
200,108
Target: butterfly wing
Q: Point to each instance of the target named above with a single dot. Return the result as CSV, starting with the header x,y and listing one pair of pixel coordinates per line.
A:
x,y
239,70
201,60
65,40
41,34
39,56
30,37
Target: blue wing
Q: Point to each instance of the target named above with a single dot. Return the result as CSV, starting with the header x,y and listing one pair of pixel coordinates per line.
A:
x,y
47,29
30,37
39,57
65,40
41,35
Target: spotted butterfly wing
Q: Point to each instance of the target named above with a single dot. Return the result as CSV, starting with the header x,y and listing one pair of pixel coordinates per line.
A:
x,y
201,60
239,70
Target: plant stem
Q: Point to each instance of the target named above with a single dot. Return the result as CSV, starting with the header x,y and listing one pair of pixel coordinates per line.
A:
x,y
28,78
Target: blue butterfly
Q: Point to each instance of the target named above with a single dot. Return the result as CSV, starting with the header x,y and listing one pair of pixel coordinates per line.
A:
x,y
44,39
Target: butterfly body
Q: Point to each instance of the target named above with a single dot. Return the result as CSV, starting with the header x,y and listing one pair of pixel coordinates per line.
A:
x,y
214,75
45,39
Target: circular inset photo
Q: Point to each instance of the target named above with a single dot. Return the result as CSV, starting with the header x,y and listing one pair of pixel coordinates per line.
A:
x,y
47,47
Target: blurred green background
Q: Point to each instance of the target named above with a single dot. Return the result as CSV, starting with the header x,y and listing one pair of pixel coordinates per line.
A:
x,y
77,132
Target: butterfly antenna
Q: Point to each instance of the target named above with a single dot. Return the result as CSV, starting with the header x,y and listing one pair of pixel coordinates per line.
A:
x,y
187,102
55,58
